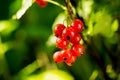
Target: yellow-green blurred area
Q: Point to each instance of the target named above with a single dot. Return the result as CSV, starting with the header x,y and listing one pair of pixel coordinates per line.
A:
x,y
27,42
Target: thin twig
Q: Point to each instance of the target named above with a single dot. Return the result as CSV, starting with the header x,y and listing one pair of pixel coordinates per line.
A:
x,y
57,4
69,9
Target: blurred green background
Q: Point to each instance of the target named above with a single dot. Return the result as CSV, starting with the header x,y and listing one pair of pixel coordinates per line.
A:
x,y
28,43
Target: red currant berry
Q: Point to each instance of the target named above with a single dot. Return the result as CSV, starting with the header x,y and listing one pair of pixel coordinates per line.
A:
x,y
76,39
42,3
61,43
58,29
68,33
70,60
57,56
66,54
78,49
77,25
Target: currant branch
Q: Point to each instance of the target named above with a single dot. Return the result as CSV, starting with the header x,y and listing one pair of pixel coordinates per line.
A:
x,y
57,4
69,9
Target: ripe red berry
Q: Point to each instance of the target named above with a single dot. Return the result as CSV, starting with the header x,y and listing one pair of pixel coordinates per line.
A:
x,y
77,25
58,29
68,33
66,54
57,56
70,60
78,49
61,43
76,39
42,3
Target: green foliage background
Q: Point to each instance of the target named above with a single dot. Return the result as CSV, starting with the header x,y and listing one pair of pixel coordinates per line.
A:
x,y
27,44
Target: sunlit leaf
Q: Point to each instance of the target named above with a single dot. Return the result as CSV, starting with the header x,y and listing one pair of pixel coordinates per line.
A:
x,y
51,40
25,5
115,25
84,8
7,26
110,71
102,24
90,28
94,75
51,75
3,48
61,18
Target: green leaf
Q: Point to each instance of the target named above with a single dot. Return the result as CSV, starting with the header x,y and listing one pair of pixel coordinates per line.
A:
x,y
25,6
51,75
94,75
118,77
111,73
51,40
7,26
60,19
115,25
84,8
3,48
102,24
90,28
14,7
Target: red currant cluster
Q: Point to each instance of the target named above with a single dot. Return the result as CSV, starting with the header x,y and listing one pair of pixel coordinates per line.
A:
x,y
42,3
68,39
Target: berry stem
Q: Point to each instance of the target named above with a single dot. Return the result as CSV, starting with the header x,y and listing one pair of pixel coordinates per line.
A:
x,y
69,9
57,4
